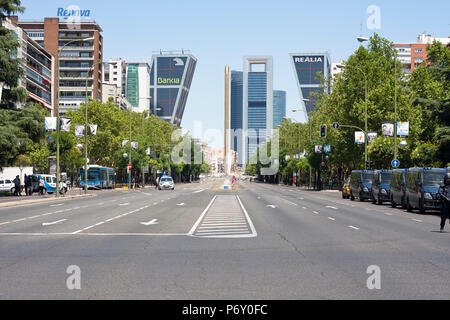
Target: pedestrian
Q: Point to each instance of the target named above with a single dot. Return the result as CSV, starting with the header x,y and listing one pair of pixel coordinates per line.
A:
x,y
444,202
25,178
157,182
16,182
41,186
330,184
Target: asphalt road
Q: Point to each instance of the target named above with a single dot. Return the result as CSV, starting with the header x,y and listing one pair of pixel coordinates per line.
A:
x,y
203,242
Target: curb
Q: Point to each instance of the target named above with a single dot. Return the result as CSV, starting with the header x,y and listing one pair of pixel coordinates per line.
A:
x,y
39,201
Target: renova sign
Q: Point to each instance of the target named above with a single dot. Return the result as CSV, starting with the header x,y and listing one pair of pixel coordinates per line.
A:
x,y
73,12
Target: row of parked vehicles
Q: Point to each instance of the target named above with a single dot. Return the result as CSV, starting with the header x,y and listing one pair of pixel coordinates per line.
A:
x,y
414,188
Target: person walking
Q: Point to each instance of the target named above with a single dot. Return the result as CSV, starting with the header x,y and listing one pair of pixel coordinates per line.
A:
x,y
25,179
444,202
41,186
16,182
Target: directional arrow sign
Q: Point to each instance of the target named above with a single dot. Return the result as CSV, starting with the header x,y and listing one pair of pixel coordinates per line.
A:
x,y
395,163
154,221
52,223
336,125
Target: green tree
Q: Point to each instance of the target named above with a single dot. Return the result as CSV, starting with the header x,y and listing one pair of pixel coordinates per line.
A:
x,y
11,68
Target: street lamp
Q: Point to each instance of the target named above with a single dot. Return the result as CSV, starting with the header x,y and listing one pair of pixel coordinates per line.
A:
x,y
310,136
362,39
85,133
365,108
57,112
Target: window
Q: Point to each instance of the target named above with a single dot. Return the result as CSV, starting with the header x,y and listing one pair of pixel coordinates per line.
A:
x,y
418,50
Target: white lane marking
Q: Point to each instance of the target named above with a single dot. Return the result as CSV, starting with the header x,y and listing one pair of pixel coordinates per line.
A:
x,y
271,206
154,221
354,228
155,203
20,220
332,218
332,207
301,198
191,232
77,233
315,212
57,205
198,191
417,220
250,223
304,208
101,203
54,222
181,204
388,214
124,204
291,203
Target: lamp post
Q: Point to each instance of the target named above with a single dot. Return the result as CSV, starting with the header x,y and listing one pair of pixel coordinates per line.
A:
x,y
310,136
85,134
365,109
1,89
57,111
395,105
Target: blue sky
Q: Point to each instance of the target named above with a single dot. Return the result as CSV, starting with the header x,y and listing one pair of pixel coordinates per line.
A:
x,y
222,32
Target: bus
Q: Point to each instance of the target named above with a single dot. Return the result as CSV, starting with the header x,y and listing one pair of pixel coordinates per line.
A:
x,y
98,177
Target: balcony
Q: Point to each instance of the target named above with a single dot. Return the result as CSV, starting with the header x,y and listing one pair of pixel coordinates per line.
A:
x,y
76,78
76,89
70,48
76,58
75,68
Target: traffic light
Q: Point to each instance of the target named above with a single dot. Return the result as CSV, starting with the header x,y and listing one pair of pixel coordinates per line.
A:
x,y
369,165
323,131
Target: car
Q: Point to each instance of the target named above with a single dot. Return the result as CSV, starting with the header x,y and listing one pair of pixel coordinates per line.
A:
x,y
6,186
165,183
346,189
361,184
381,187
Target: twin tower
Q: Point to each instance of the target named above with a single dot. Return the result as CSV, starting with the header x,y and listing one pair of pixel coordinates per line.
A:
x,y
253,115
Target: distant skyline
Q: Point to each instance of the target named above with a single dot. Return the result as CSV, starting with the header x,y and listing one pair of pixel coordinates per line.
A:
x,y
220,33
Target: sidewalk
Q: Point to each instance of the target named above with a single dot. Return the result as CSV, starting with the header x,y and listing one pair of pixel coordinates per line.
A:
x,y
24,200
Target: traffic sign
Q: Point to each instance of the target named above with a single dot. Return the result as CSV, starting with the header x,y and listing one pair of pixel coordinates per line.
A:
x,y
130,166
335,125
395,163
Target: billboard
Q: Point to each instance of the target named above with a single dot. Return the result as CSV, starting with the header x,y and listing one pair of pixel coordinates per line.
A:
x,y
387,129
403,129
360,137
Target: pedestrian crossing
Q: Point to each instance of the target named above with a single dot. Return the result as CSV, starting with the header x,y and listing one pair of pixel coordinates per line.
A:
x,y
226,217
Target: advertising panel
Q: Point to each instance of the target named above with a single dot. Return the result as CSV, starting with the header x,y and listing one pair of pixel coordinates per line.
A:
x,y
360,137
403,129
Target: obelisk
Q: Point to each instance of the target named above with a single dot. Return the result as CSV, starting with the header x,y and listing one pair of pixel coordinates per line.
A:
x,y
226,152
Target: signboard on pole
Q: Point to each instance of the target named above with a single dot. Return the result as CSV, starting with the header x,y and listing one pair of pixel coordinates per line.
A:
x,y
50,123
387,129
360,137
79,131
371,136
318,148
403,129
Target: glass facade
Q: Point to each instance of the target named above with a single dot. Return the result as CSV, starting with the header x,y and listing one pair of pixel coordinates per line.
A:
x,y
279,107
236,112
310,71
170,81
257,109
133,85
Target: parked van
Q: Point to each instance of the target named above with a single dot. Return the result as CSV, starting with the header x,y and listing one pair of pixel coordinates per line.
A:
x,y
422,184
398,188
381,187
50,184
361,184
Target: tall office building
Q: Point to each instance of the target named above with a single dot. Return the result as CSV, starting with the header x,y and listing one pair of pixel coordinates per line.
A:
x,y
257,103
170,81
236,118
138,86
39,66
307,68
279,107
79,62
